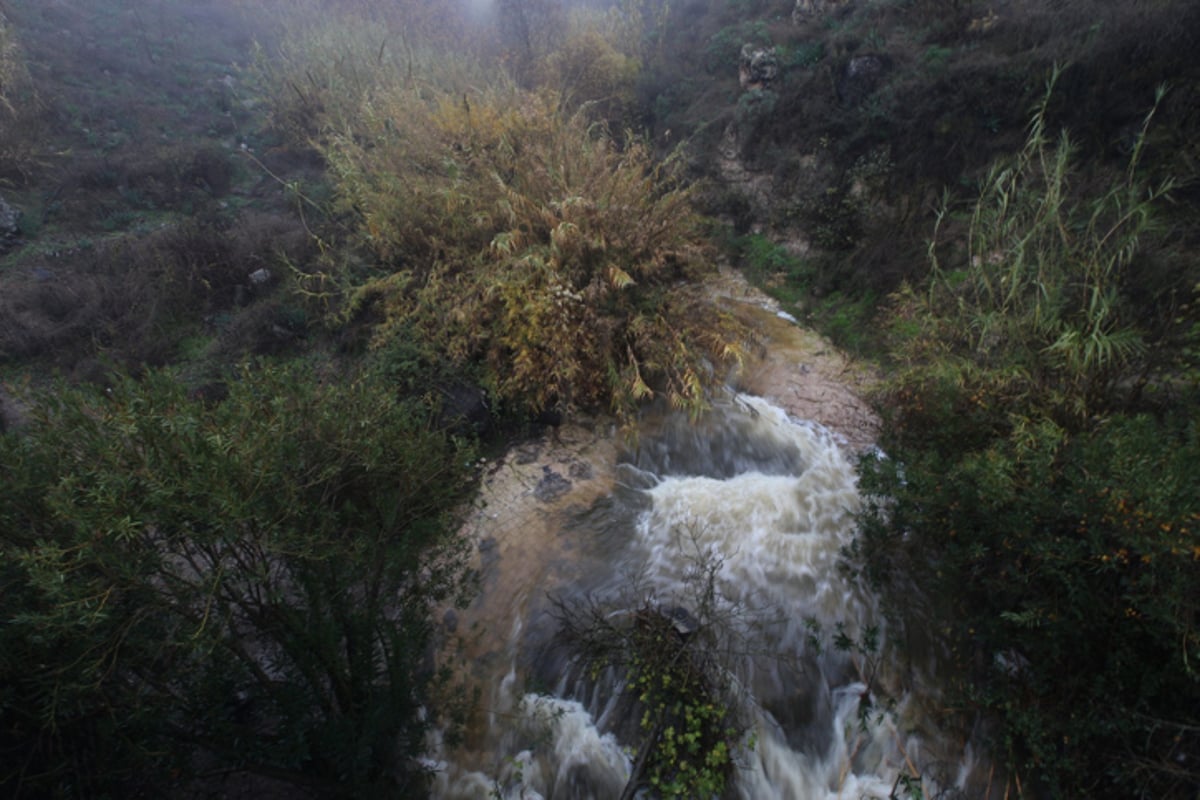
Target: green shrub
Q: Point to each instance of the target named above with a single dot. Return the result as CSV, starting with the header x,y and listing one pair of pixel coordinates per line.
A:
x,y
773,269
801,55
762,257
678,658
1038,299
1066,565
1054,530
936,57
754,110
724,48
248,580
848,321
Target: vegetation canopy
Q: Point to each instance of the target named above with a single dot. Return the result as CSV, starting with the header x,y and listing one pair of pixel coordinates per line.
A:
x,y
209,568
238,587
1051,520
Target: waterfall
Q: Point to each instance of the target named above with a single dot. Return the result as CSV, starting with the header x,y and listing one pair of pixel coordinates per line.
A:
x,y
749,509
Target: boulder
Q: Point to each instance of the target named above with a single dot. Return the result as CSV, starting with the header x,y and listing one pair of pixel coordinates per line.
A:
x,y
758,67
551,486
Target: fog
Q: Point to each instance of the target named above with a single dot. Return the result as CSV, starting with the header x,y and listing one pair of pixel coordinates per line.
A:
x,y
488,217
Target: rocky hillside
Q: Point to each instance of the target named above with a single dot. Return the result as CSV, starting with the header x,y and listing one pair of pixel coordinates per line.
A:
x,y
836,128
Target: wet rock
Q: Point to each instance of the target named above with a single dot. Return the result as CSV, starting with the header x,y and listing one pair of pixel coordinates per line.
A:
x,y
552,486
528,453
758,67
683,621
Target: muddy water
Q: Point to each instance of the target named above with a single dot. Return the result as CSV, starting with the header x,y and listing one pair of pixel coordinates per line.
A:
x,y
761,491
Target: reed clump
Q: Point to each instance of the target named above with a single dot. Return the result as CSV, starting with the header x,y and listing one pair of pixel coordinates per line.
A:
x,y
526,238
511,229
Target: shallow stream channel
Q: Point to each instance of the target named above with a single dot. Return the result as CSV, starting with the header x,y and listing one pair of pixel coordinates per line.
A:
x,y
729,529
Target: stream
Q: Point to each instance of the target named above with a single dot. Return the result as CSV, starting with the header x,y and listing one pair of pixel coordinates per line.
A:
x,y
749,503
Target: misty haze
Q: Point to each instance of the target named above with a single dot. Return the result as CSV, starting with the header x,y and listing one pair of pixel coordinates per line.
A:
x,y
472,399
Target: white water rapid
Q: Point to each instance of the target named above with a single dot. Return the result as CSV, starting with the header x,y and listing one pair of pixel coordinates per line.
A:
x,y
762,505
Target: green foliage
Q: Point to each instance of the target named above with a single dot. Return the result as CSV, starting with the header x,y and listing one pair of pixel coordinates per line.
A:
x,y
1068,566
754,110
761,257
724,48
676,659
250,581
773,269
1054,529
936,56
1038,301
801,55
694,736
849,321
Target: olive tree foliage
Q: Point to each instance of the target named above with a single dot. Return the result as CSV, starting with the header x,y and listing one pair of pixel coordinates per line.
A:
x,y
241,587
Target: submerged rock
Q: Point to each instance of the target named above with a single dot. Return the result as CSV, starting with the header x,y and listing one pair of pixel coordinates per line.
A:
x,y
551,486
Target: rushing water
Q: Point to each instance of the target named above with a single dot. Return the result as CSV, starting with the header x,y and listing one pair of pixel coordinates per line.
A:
x,y
757,507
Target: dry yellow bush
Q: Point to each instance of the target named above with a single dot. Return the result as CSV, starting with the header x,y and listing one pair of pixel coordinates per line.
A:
x,y
589,71
528,239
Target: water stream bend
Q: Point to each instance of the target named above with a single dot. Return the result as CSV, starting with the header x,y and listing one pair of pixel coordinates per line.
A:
x,y
768,502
